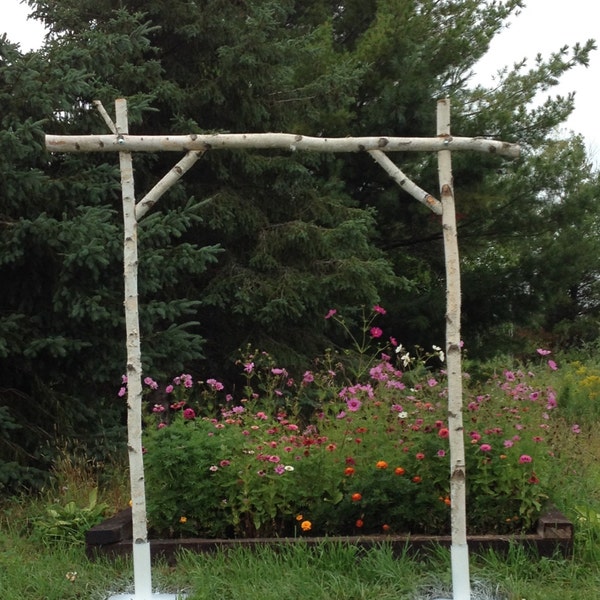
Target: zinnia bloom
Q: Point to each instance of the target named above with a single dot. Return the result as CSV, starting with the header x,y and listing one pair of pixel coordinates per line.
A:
x,y
359,523
349,471
306,525
525,458
376,332
485,447
443,432
399,471
419,456
381,464
356,497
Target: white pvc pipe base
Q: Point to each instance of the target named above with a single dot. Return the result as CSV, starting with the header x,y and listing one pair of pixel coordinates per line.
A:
x,y
142,577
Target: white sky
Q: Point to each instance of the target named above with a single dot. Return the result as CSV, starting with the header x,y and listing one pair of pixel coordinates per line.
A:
x,y
543,26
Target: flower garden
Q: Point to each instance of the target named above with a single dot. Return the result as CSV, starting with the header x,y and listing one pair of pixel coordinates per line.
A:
x,y
348,448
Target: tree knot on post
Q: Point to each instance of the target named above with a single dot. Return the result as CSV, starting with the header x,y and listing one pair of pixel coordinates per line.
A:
x,y
382,142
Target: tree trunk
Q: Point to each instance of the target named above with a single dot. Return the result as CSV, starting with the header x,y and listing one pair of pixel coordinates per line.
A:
x,y
459,549
141,546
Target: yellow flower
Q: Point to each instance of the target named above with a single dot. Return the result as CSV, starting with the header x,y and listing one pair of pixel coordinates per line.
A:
x,y
183,519
299,517
306,525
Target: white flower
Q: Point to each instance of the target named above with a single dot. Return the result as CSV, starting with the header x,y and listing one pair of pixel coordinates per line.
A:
x,y
289,468
406,359
402,415
399,348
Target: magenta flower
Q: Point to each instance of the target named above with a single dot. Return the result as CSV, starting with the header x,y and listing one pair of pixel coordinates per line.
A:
x,y
575,428
249,367
485,447
525,458
169,389
188,413
122,392
552,365
432,382
353,404
379,309
279,469
330,314
543,352
376,332
225,463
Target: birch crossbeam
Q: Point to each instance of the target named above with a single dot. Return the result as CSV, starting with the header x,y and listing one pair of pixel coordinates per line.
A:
x,y
281,141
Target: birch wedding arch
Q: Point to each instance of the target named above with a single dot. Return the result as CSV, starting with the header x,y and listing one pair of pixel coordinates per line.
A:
x,y
194,146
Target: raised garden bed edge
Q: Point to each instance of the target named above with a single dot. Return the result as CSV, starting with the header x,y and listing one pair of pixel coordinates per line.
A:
x,y
113,538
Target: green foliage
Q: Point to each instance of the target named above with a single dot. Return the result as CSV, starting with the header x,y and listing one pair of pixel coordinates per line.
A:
x,y
255,246
67,524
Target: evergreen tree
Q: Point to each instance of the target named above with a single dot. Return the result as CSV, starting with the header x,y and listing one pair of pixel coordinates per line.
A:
x,y
256,246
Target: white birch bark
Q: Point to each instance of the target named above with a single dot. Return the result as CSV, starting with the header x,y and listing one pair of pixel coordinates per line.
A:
x,y
172,177
459,549
405,183
282,141
141,546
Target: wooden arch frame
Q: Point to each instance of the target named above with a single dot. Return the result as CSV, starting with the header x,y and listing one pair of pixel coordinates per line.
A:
x,y
378,147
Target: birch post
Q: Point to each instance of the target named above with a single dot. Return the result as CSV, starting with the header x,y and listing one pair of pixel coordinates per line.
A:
x,y
141,546
459,549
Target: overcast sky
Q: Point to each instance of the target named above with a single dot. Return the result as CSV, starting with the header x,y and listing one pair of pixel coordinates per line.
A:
x,y
543,26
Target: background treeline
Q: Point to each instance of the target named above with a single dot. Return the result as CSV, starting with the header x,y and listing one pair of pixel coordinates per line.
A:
x,y
256,247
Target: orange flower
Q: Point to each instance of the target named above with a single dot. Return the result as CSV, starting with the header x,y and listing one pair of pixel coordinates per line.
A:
x,y
306,525
385,527
381,464
416,479
183,519
349,471
299,517
359,523
356,497
399,471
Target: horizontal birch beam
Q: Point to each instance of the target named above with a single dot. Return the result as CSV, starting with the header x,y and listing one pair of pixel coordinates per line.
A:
x,y
281,141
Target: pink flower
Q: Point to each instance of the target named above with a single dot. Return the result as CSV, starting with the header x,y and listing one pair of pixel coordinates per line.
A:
x,y
510,376
552,365
308,377
215,385
508,443
249,367
151,383
122,392
525,458
353,404
189,413
379,309
419,456
376,332
169,389
441,453
543,352
432,382
575,428
485,447
225,463
330,314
